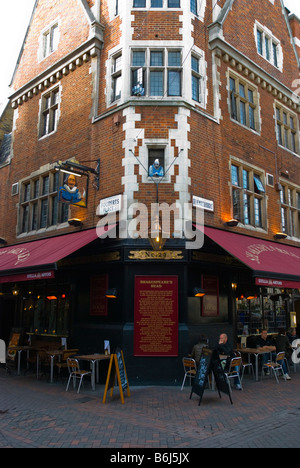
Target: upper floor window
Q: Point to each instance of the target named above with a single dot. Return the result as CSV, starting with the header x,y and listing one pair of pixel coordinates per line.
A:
x,y
243,102
156,3
290,210
156,72
248,196
50,40
287,132
116,77
49,112
39,206
268,46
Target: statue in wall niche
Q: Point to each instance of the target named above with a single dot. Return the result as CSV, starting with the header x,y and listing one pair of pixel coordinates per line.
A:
x,y
156,170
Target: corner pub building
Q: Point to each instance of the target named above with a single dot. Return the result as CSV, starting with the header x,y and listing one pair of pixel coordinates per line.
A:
x,y
101,90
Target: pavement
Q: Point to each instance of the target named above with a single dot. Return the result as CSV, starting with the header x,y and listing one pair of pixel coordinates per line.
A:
x,y
37,414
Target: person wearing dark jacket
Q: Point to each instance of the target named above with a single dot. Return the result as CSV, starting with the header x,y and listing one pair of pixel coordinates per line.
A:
x,y
283,346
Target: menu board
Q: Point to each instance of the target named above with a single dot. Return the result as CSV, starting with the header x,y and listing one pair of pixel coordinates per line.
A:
x,y
156,316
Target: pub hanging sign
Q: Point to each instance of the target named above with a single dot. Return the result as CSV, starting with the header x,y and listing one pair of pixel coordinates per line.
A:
x,y
74,182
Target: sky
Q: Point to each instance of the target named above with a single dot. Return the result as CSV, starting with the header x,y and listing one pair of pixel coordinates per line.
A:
x,y
14,19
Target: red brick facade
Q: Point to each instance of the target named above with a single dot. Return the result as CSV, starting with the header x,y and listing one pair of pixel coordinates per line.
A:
x,y
87,129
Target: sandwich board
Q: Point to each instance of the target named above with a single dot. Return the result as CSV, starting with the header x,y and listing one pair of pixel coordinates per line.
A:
x,y
117,371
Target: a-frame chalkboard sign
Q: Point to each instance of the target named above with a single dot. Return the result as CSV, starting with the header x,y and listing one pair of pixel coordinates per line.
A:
x,y
116,371
210,362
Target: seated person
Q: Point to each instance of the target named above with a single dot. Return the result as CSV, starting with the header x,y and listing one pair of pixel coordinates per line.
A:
x,y
265,343
283,346
197,349
292,335
224,348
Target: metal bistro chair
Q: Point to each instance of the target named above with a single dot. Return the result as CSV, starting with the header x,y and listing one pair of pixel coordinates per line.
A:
x,y
244,365
190,370
275,367
3,355
76,373
63,363
234,371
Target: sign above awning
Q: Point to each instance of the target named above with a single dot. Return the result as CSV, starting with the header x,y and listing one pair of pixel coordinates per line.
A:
x,y
26,261
268,260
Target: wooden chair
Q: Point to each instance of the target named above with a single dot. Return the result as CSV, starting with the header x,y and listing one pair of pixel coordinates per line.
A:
x,y
76,373
275,366
190,370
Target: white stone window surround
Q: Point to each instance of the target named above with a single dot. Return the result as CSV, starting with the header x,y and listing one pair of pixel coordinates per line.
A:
x,y
266,33
44,32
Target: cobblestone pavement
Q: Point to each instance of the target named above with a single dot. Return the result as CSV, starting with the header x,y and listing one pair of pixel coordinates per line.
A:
x,y
37,414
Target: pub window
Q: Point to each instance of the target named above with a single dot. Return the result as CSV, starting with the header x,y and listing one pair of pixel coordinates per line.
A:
x,y
156,3
290,211
156,72
39,208
193,5
139,3
243,102
196,78
49,112
286,126
248,196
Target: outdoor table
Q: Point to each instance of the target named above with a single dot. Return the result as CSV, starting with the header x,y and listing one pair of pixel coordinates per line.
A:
x,y
53,353
256,353
93,358
19,350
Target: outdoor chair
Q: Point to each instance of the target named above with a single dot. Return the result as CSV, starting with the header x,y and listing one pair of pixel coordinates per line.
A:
x,y
244,365
43,363
234,371
190,370
3,355
63,363
275,366
76,373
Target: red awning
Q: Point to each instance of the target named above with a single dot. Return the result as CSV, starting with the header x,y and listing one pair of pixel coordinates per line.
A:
x,y
267,259
42,254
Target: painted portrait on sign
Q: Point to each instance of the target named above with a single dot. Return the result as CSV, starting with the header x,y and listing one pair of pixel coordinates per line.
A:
x,y
71,193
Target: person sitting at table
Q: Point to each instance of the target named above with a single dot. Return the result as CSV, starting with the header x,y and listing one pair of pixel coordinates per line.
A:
x,y
265,343
225,349
292,335
283,346
197,349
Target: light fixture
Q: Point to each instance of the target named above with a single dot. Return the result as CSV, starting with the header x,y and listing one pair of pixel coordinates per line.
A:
x,y
111,293
3,241
157,237
69,172
280,235
232,222
15,290
75,222
198,292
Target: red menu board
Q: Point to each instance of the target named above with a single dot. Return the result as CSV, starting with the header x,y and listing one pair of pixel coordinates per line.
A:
x,y
156,316
98,301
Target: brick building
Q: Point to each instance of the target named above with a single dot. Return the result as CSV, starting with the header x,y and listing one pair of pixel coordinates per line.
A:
x,y
209,88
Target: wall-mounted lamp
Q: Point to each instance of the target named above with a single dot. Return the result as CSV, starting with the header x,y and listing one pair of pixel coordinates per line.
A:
x,y
232,223
75,222
15,290
280,235
111,293
198,292
3,241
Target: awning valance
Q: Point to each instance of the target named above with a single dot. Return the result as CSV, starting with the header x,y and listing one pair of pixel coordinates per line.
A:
x,y
20,261
268,260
